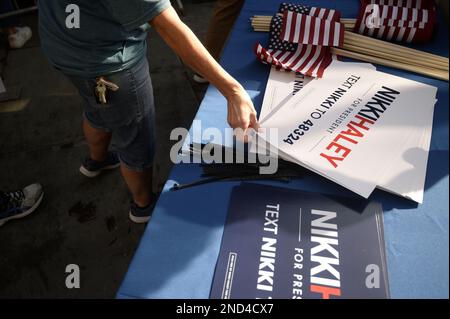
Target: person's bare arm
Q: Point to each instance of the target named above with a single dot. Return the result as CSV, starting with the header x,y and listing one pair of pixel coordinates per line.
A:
x,y
183,41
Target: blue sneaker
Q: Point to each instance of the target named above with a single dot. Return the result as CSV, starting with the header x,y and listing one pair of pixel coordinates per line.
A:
x,y
91,168
18,204
141,215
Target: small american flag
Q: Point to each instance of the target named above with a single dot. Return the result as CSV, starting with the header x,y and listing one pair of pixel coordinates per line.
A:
x,y
401,24
304,59
275,41
310,60
418,4
322,13
306,29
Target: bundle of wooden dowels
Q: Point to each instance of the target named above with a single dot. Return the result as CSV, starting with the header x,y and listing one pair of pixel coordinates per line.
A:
x,y
376,51
262,23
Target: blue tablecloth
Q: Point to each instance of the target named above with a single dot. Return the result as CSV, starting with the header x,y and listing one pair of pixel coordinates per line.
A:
x,y
179,249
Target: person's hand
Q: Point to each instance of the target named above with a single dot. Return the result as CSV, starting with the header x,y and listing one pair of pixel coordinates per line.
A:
x,y
241,112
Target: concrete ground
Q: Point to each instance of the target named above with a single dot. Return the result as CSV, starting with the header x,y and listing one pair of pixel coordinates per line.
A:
x,y
80,221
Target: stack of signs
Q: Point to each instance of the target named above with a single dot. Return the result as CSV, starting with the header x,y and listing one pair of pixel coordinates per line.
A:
x,y
355,126
287,244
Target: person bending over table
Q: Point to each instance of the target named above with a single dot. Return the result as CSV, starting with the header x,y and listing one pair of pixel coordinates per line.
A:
x,y
101,47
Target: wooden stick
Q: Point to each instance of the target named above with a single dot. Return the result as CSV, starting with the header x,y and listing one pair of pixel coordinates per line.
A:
x,y
256,16
261,23
398,55
393,57
438,74
266,28
269,19
393,48
347,25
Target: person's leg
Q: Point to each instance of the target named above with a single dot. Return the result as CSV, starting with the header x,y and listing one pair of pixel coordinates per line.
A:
x,y
131,117
98,141
140,184
99,159
224,16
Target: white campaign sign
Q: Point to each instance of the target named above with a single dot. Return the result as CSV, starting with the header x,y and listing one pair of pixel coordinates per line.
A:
x,y
354,126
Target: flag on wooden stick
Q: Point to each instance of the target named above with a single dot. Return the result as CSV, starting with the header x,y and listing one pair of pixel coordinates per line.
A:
x,y
287,56
322,13
418,4
396,23
308,55
310,60
305,29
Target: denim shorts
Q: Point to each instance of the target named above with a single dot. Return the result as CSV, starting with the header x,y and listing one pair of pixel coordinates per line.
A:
x,y
129,114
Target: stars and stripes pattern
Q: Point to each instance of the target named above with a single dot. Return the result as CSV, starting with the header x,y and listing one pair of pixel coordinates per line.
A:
x,y
310,60
418,4
275,41
306,29
394,23
291,54
322,13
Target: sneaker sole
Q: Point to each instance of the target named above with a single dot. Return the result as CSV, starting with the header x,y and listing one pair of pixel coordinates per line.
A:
x,y
138,220
24,214
91,174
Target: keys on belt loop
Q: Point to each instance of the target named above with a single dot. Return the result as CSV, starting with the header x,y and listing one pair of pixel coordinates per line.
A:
x,y
102,85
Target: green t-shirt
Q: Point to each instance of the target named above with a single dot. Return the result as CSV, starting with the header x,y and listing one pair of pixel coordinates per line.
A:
x,y
111,36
